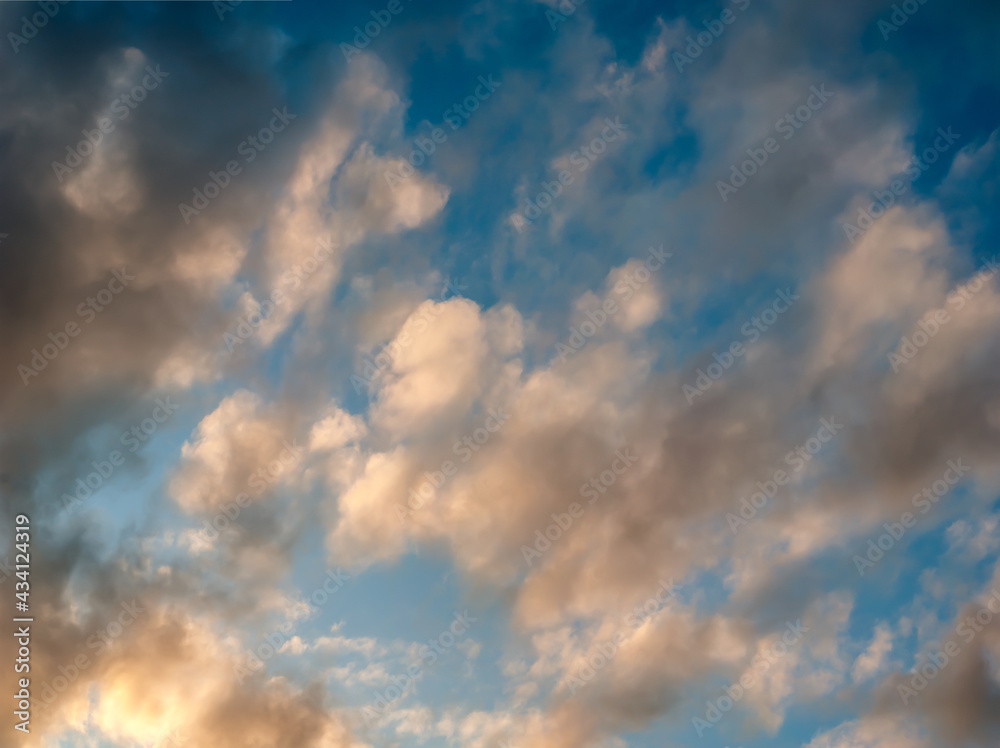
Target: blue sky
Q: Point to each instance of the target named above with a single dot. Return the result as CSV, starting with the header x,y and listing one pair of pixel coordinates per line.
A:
x,y
479,325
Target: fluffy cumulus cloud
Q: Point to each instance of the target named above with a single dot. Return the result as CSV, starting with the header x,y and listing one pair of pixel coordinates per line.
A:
x,y
526,374
873,732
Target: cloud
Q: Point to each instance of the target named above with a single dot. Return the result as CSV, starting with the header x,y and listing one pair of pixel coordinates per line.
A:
x,y
237,449
404,478
872,659
872,733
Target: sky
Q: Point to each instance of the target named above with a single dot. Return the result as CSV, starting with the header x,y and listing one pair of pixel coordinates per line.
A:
x,y
500,374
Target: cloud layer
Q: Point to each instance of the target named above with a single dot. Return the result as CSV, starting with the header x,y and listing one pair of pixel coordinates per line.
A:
x,y
546,377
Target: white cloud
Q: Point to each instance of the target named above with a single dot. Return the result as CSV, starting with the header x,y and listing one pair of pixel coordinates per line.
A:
x,y
873,659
